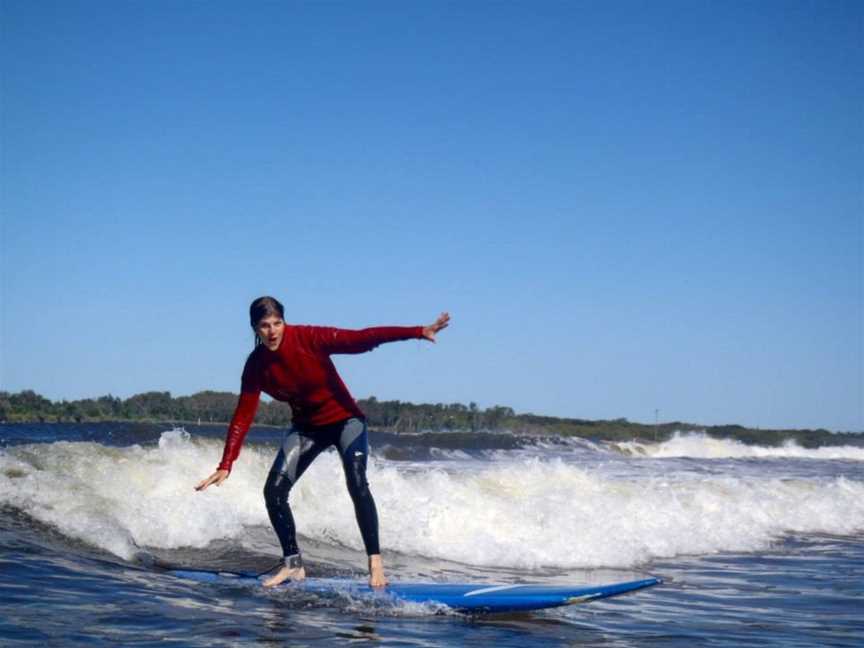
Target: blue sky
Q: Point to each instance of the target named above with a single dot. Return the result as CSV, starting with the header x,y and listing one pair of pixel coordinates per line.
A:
x,y
625,206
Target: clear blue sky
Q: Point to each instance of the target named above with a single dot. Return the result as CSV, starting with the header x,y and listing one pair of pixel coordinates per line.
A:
x,y
625,206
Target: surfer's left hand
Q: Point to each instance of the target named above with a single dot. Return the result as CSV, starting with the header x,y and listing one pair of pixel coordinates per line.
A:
x,y
439,324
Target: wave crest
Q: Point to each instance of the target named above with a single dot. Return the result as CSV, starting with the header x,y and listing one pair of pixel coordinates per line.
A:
x,y
521,512
699,445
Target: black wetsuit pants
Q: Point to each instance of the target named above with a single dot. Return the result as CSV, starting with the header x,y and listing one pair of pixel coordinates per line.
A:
x,y
299,449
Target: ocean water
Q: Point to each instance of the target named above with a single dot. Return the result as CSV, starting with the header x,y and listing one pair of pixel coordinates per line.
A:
x,y
756,546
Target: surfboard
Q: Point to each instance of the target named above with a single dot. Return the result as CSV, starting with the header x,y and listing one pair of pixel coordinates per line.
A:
x,y
463,597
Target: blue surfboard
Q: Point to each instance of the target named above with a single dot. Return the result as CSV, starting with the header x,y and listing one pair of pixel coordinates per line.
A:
x,y
463,597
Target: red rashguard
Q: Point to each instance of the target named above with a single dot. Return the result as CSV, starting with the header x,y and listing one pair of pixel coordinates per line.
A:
x,y
301,373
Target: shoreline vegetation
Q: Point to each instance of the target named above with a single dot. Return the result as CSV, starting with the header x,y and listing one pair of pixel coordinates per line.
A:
x,y
214,408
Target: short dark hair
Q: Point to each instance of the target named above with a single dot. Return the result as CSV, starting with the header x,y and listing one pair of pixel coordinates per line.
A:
x,y
264,307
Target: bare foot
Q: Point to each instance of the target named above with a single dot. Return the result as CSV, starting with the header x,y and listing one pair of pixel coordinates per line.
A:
x,y
376,571
285,573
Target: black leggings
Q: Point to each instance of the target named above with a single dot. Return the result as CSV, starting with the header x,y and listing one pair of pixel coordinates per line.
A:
x,y
299,449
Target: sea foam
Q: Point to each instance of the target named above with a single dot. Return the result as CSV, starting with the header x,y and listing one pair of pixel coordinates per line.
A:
x,y
515,512
701,446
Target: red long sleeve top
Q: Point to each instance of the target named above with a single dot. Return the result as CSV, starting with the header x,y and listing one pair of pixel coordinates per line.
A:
x,y
301,373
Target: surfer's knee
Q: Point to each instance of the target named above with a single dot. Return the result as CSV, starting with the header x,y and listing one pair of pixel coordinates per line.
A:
x,y
276,489
355,478
354,462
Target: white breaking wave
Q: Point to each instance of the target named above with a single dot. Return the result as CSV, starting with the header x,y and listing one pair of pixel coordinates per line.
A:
x,y
702,446
524,512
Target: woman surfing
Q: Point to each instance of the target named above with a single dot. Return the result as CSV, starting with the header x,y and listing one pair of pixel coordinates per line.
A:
x,y
291,363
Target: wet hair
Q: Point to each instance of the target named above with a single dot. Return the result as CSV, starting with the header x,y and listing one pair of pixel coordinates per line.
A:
x,y
261,308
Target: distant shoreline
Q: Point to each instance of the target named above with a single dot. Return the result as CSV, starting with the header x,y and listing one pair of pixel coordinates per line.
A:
x,y
396,417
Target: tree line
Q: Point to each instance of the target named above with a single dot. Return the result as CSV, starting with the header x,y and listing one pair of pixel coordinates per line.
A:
x,y
392,416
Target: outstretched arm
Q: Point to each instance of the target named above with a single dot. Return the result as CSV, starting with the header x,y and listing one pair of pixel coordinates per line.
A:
x,y
244,414
335,340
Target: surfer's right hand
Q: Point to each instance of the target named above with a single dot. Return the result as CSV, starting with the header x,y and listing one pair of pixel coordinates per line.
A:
x,y
216,478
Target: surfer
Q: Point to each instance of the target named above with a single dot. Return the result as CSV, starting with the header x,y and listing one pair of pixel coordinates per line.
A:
x,y
292,363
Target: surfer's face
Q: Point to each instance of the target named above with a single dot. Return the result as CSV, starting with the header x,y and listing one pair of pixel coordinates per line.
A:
x,y
270,330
